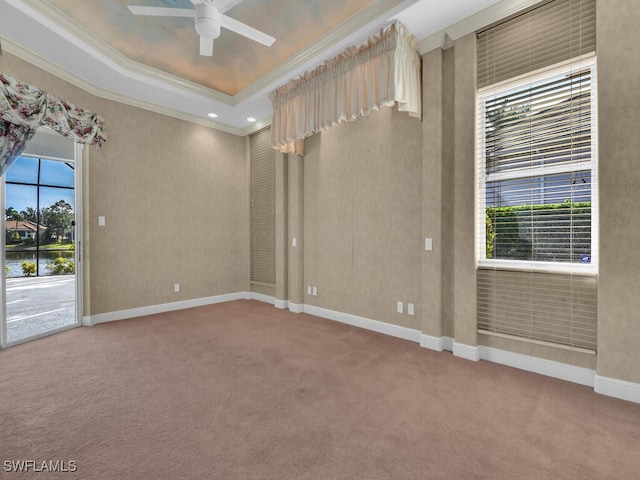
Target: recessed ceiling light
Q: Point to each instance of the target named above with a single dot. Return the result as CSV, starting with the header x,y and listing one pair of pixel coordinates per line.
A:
x,y
251,119
212,115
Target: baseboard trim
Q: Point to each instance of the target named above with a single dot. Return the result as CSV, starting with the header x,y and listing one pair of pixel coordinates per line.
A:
x,y
613,387
296,307
549,368
276,302
261,297
366,323
562,371
432,343
448,343
468,352
438,344
161,308
169,307
282,304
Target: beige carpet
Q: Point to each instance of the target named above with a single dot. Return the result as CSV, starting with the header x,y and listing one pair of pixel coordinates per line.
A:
x,y
243,390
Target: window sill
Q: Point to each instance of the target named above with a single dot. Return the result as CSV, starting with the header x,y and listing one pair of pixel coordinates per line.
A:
x,y
590,269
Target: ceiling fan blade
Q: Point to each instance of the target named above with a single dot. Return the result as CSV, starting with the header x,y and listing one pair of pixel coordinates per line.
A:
x,y
206,46
224,5
246,31
161,11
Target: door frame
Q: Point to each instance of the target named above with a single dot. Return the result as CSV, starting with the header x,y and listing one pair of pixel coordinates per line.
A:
x,y
78,254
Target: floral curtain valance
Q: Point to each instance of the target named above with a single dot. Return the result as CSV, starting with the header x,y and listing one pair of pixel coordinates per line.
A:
x,y
13,140
384,71
24,108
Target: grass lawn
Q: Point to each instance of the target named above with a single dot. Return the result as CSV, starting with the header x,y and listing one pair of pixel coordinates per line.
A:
x,y
49,246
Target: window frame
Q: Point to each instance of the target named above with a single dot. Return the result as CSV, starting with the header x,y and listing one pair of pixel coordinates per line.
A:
x,y
482,178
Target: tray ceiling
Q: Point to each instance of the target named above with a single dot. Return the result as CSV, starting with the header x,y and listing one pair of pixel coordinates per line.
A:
x,y
170,44
153,62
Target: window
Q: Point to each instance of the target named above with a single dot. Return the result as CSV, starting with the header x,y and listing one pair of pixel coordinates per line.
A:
x,y
537,171
536,224
39,197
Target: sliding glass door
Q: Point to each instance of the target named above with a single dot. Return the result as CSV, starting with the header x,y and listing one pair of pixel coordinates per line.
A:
x,y
40,248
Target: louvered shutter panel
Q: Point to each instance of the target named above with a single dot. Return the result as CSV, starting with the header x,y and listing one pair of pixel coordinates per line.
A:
x,y
540,307
263,219
550,33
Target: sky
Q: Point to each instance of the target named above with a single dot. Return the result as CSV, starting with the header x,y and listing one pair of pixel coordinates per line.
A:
x,y
25,170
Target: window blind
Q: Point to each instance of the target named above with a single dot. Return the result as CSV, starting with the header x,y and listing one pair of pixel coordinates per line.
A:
x,y
547,34
541,307
263,219
538,170
537,176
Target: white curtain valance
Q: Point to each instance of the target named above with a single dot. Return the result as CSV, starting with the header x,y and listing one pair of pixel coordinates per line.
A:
x,y
383,71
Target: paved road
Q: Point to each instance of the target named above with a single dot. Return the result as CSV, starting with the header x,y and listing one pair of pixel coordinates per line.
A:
x,y
39,304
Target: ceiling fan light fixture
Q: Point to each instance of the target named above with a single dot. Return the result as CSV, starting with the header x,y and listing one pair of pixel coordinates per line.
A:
x,y
207,20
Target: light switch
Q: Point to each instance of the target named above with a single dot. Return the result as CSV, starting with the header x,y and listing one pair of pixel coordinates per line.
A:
x,y
294,242
101,221
428,243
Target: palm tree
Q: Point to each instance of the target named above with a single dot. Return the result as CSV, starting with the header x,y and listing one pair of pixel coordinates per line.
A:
x,y
12,214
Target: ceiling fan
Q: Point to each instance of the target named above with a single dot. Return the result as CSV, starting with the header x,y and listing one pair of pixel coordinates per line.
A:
x,y
209,16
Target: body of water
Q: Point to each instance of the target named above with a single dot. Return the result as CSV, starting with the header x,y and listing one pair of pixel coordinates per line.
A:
x,y
14,260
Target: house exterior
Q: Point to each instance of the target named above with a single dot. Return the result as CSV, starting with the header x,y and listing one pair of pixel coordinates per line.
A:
x,y
25,228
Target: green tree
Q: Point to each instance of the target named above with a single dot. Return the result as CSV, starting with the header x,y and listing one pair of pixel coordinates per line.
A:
x,y
57,218
30,214
12,214
12,236
12,217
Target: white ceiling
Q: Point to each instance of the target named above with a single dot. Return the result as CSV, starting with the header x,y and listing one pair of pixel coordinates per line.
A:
x,y
78,57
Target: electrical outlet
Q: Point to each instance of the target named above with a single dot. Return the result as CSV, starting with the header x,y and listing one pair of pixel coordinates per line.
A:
x,y
309,290
400,307
410,309
315,291
176,288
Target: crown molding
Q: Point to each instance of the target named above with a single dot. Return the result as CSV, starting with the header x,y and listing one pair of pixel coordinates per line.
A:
x,y
65,26
326,42
370,19
259,125
475,22
89,87
90,44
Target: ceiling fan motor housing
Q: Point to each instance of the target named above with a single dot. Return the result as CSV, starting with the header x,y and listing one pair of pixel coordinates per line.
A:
x,y
207,20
